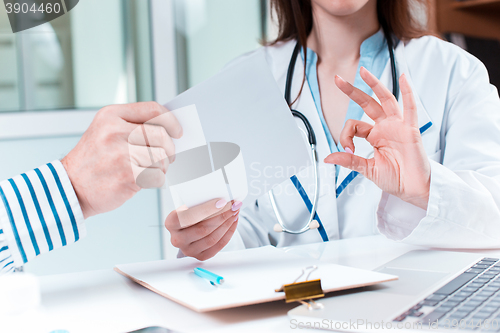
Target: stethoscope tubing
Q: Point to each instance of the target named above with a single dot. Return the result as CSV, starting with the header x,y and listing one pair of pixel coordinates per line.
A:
x,y
314,206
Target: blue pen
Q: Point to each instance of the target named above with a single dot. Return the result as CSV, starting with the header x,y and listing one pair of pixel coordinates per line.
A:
x,y
213,278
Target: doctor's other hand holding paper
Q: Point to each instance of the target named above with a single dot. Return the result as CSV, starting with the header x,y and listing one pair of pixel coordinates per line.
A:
x,y
202,240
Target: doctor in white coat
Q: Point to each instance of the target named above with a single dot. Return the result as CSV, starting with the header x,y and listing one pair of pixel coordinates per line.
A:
x,y
422,168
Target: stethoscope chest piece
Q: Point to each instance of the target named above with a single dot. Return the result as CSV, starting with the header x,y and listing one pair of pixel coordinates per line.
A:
x,y
313,225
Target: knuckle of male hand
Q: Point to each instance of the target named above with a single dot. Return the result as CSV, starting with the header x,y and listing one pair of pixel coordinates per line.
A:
x,y
104,112
154,108
109,135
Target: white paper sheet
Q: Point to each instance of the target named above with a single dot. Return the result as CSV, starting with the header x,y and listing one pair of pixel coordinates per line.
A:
x,y
244,106
193,135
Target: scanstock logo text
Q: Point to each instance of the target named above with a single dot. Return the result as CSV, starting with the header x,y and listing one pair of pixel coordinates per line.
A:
x,y
26,14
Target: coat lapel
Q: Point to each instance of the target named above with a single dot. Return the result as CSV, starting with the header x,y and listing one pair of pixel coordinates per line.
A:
x,y
424,121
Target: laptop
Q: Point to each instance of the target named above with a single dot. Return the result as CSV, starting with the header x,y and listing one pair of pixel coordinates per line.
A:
x,y
438,291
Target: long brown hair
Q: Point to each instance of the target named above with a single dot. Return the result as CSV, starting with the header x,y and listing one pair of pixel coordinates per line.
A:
x,y
295,20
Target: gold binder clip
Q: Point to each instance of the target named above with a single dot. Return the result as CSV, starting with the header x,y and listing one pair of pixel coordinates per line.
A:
x,y
302,291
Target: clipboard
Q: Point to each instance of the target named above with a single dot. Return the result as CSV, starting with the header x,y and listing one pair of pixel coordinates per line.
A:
x,y
251,277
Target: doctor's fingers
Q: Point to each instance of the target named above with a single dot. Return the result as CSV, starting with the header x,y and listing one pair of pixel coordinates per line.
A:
x,y
389,103
148,157
184,237
372,108
204,228
409,105
148,177
152,136
209,253
209,246
188,235
351,129
184,218
353,162
151,113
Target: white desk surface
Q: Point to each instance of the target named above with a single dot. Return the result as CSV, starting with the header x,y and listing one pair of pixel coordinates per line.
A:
x,y
105,301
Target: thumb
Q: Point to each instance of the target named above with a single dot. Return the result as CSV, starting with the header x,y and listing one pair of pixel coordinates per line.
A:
x,y
350,161
193,215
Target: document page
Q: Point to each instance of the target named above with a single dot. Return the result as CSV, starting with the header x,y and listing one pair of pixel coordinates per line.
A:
x,y
240,139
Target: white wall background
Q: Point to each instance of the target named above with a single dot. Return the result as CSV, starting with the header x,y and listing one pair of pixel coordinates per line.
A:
x,y
98,53
216,31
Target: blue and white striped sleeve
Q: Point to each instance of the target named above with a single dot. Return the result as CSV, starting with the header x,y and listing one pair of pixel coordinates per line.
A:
x,y
39,212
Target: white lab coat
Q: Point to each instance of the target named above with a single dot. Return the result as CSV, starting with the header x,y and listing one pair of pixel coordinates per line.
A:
x,y
459,117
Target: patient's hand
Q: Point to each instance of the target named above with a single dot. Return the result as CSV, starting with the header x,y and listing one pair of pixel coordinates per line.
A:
x,y
124,149
202,240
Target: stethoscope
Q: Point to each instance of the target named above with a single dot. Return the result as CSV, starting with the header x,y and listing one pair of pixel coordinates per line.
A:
x,y
312,223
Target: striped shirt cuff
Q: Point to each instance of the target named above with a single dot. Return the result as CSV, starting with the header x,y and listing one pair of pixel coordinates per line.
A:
x,y
6,262
39,212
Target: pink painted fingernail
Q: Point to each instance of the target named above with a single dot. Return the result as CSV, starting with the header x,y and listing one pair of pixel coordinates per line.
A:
x,y
237,205
235,219
348,150
221,203
236,213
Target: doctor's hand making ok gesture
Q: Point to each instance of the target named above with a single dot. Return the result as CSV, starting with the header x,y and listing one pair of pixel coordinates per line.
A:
x,y
400,166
